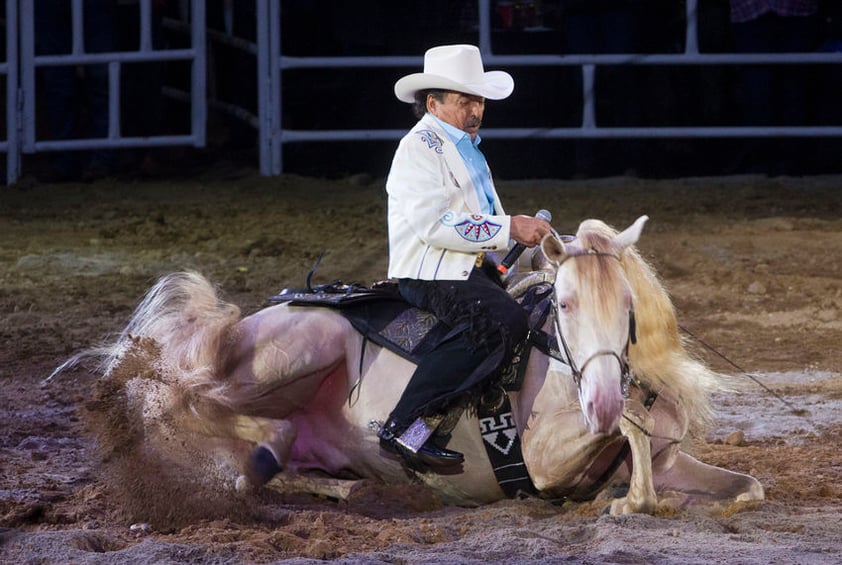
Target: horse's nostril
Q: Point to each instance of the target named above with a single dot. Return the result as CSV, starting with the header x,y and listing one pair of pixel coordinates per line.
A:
x,y
601,417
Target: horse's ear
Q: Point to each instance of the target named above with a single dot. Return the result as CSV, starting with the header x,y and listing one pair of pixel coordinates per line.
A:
x,y
553,248
630,235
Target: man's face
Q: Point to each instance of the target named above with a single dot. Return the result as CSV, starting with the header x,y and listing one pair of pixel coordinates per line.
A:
x,y
463,111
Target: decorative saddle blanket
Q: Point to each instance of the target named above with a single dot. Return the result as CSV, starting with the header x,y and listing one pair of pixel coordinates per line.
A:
x,y
382,316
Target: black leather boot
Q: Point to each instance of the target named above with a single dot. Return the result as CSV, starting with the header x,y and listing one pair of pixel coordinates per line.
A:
x,y
429,457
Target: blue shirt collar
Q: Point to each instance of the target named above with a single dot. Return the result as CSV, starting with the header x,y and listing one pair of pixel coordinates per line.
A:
x,y
456,134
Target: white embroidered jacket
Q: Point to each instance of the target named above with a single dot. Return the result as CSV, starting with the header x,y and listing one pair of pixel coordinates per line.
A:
x,y
436,228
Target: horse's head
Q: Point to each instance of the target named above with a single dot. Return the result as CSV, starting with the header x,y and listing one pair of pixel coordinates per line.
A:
x,y
595,316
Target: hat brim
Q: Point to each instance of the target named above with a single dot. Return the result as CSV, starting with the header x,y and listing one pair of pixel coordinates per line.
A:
x,y
496,86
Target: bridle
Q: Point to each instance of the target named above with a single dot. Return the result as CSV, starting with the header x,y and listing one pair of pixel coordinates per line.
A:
x,y
622,358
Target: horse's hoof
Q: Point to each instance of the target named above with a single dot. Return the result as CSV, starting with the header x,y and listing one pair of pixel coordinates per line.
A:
x,y
262,466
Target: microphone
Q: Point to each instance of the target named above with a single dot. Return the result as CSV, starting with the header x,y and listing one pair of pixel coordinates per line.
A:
x,y
519,248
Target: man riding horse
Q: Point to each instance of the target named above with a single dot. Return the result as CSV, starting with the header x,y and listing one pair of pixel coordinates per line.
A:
x,y
444,215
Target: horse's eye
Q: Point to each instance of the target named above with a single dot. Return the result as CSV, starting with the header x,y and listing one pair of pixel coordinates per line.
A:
x,y
562,305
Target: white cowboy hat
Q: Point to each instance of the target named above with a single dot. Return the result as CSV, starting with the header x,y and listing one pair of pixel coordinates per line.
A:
x,y
458,68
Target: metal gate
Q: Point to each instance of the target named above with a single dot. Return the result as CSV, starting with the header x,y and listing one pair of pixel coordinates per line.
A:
x,y
9,69
272,141
22,63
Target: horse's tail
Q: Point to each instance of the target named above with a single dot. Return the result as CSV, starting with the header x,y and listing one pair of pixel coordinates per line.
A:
x,y
184,319
184,316
155,405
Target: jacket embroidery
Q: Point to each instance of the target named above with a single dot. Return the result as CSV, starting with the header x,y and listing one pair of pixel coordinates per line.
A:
x,y
432,140
478,231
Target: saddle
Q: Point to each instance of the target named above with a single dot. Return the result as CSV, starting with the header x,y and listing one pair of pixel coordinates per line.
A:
x,y
382,316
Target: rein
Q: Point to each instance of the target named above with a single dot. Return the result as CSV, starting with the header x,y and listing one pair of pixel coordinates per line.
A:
x,y
800,412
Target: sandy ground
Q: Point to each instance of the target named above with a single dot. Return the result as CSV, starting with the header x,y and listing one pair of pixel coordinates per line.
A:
x,y
753,265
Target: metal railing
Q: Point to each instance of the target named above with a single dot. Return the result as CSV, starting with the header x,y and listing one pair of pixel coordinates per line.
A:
x,y
9,68
22,63
272,142
21,97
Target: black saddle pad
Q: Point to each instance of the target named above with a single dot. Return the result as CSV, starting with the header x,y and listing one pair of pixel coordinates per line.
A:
x,y
403,329
379,313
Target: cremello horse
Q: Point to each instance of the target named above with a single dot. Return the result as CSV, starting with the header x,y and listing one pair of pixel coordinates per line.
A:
x,y
301,382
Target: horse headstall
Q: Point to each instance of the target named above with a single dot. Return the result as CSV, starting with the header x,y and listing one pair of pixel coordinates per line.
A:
x,y
576,372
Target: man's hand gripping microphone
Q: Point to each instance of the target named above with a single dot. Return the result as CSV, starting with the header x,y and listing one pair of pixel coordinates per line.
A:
x,y
517,250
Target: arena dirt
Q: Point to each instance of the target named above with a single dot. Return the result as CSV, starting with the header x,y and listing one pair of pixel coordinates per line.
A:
x,y
753,265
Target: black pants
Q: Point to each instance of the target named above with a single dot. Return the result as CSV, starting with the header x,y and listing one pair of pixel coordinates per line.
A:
x,y
487,324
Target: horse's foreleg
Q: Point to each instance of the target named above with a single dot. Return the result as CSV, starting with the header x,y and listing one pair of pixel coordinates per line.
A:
x,y
340,489
637,425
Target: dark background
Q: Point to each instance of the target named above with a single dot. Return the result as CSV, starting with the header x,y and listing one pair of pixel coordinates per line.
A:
x,y
544,97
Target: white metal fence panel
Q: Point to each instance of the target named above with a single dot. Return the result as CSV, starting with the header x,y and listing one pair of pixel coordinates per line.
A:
x,y
23,62
9,68
271,143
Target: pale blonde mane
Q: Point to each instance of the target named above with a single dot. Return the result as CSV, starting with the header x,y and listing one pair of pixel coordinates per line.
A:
x,y
600,277
659,359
